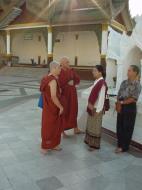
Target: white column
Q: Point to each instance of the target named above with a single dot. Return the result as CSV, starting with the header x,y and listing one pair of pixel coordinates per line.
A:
x,y
8,42
50,45
120,68
104,45
141,73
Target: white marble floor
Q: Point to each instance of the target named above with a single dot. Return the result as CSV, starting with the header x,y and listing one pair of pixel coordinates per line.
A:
x,y
23,167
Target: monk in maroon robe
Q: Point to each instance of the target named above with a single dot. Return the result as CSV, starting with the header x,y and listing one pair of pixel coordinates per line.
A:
x,y
68,80
52,110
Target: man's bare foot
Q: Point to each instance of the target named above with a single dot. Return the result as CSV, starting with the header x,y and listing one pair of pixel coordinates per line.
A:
x,y
77,131
118,150
57,148
44,151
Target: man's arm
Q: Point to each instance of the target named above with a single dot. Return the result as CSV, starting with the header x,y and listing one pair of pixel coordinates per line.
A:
x,y
53,90
128,101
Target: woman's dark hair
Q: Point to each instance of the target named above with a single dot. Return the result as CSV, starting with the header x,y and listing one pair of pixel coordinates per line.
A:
x,y
100,68
135,69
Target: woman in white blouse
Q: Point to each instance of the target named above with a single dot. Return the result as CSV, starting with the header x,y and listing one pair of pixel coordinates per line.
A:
x,y
95,109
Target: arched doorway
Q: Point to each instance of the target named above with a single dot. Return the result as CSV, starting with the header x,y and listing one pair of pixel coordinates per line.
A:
x,y
111,73
133,57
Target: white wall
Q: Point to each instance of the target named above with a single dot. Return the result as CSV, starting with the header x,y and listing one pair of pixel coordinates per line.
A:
x,y
114,40
27,49
86,48
66,46
111,71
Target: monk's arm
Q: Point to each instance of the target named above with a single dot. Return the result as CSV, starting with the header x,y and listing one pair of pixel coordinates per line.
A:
x,y
76,78
53,90
62,82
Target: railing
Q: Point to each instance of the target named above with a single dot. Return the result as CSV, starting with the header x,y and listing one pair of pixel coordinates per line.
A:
x,y
10,17
11,13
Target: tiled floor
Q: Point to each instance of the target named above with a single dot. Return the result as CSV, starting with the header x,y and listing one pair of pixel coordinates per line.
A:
x,y
22,167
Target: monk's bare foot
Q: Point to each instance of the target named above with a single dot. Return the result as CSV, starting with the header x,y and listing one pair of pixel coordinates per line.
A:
x,y
65,135
118,150
44,151
91,149
77,131
57,148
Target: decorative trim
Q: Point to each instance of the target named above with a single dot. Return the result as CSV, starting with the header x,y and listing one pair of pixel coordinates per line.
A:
x,y
9,55
7,32
104,27
113,23
27,25
50,29
118,26
103,56
50,55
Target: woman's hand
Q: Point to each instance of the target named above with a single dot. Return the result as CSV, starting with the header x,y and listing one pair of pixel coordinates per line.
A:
x,y
90,106
97,113
92,109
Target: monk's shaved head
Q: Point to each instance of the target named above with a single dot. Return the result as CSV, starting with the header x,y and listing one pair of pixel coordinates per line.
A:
x,y
64,58
55,68
53,65
64,61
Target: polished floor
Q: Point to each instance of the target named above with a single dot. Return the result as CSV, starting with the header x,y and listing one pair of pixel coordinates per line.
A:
x,y
23,167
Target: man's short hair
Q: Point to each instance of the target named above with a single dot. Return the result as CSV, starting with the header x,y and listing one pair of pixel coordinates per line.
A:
x,y
135,69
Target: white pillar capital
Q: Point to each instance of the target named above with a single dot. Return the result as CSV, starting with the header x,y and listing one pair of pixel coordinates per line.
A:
x,y
50,44
49,29
8,32
8,42
104,45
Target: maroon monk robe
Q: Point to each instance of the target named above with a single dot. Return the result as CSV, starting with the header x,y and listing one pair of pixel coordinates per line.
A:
x,y
95,94
70,95
51,121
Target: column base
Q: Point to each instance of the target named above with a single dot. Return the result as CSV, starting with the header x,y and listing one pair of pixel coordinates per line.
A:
x,y
49,59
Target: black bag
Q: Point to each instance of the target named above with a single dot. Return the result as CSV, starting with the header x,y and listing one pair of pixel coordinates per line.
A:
x,y
107,103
